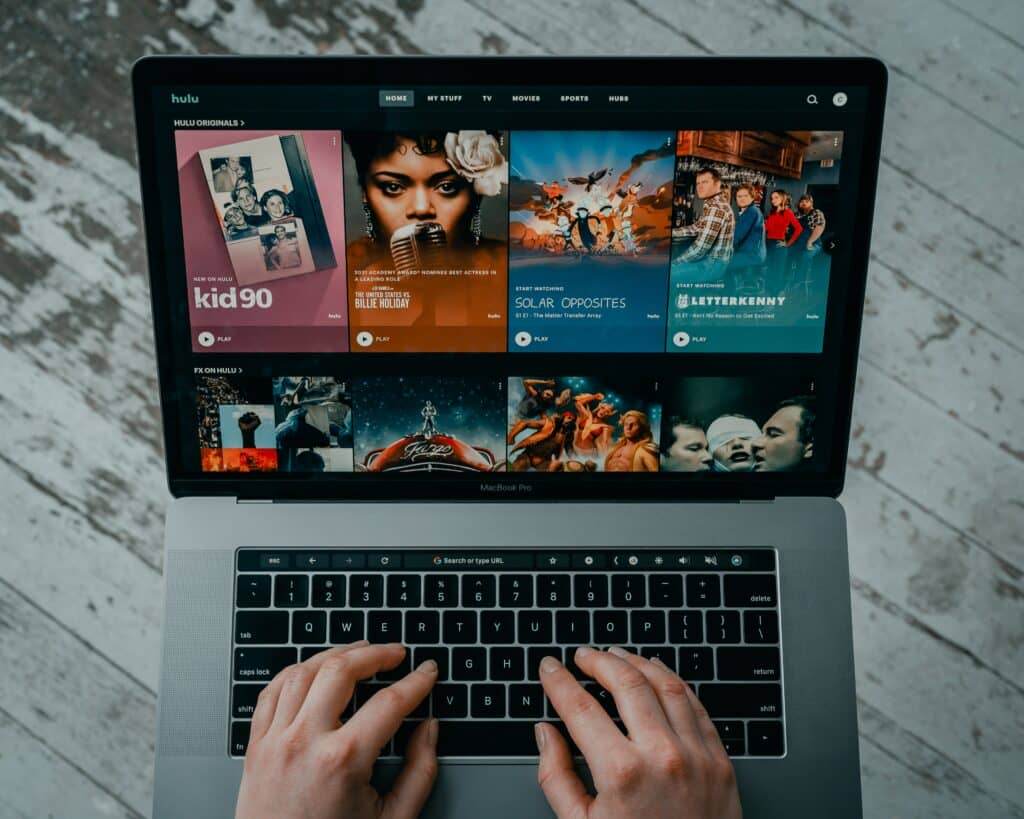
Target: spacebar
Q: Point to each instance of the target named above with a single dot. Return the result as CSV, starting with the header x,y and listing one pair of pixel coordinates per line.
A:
x,y
476,738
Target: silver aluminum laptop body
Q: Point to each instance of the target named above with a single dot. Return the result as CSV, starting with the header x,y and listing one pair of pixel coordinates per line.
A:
x,y
818,776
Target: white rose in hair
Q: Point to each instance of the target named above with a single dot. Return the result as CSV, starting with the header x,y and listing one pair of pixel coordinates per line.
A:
x,y
476,156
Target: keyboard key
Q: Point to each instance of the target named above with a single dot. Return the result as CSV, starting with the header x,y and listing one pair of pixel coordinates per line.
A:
x,y
497,627
478,591
666,590
364,691
570,663
723,626
459,627
738,700
610,628
667,654
309,627
508,664
440,591
291,591
516,591
261,627
729,729
404,591
765,738
590,591
243,700
253,591
648,626
486,738
347,626
734,747
439,654
487,701
535,627
384,560
572,627
275,560
685,627
696,663
310,651
750,591
329,590
603,696
703,590
534,654
469,664
748,663
262,663
553,591
628,590
398,671
366,591
240,737
384,627
422,627
761,626
526,700
349,561
450,700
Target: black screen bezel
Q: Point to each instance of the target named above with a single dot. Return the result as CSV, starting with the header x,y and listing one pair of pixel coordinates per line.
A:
x,y
707,72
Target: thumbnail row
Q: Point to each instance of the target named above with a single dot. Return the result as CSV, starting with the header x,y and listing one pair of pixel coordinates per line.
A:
x,y
473,425
493,241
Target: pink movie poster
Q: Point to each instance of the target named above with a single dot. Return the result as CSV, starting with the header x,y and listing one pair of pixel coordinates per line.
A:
x,y
264,230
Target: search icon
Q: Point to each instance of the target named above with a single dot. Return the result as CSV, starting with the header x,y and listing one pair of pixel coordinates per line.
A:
x,y
812,99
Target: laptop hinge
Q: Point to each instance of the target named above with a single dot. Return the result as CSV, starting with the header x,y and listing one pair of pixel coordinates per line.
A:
x,y
254,500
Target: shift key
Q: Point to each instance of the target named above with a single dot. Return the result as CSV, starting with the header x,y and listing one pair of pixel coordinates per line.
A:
x,y
724,700
262,663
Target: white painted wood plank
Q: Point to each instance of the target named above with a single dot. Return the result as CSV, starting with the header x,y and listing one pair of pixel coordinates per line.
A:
x,y
76,702
904,779
942,697
35,782
950,585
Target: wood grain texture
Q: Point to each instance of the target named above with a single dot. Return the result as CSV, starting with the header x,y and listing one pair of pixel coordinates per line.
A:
x,y
934,498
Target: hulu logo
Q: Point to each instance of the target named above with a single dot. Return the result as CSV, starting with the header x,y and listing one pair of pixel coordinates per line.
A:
x,y
179,98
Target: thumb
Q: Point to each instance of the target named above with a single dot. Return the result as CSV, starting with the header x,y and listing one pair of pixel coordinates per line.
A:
x,y
556,775
416,779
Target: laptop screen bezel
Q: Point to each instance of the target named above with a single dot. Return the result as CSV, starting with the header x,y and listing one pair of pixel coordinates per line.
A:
x,y
703,72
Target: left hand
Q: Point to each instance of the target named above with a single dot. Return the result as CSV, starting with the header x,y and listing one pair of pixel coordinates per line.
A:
x,y
303,764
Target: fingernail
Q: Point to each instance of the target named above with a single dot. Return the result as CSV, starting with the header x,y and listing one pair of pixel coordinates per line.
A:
x,y
432,730
538,733
550,664
428,667
583,651
360,643
618,652
658,663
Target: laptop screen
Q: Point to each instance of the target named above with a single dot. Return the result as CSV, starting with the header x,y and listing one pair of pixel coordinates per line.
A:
x,y
485,289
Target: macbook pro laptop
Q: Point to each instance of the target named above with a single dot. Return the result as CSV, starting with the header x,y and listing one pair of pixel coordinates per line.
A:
x,y
500,357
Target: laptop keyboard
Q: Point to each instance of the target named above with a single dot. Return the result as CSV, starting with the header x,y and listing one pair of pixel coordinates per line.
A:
x,y
488,617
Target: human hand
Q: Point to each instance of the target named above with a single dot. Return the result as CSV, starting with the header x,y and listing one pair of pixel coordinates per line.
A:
x,y
781,243
671,764
810,245
303,764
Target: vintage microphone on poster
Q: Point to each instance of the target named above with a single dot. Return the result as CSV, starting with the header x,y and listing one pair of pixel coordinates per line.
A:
x,y
419,246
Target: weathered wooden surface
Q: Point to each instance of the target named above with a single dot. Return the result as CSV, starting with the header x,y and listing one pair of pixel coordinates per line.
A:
x,y
934,493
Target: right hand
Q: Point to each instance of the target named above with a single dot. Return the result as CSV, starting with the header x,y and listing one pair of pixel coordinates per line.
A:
x,y
671,764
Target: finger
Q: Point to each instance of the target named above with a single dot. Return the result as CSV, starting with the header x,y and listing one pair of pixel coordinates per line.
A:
x,y
295,684
635,700
589,724
671,692
263,715
557,777
416,779
704,724
266,705
376,721
336,679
